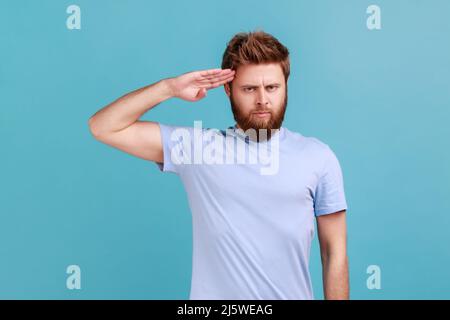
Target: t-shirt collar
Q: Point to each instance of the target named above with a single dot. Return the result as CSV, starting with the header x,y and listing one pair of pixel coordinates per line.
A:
x,y
241,133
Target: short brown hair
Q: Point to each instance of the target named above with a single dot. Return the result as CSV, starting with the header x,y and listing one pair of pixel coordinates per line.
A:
x,y
254,48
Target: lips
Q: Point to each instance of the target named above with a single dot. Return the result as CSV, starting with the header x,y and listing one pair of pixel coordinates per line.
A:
x,y
262,114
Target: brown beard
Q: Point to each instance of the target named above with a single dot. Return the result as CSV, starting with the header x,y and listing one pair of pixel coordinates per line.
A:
x,y
249,122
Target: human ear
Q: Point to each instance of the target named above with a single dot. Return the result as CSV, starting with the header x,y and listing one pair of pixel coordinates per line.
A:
x,y
227,89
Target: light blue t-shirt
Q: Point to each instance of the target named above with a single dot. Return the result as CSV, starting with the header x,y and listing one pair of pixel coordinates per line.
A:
x,y
252,232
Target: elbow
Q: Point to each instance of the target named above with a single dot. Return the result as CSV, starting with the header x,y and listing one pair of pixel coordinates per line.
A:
x,y
93,128
336,259
333,253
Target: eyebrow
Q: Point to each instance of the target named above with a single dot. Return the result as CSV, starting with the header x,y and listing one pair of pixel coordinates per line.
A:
x,y
256,86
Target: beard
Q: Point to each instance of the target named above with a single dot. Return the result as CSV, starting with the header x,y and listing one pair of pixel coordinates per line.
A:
x,y
262,127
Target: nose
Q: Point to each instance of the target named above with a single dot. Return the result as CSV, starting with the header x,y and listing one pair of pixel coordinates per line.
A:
x,y
262,98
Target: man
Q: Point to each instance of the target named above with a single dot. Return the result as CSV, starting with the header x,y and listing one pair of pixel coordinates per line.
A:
x,y
252,231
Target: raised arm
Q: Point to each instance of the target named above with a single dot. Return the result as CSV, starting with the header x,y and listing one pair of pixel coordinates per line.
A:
x,y
118,123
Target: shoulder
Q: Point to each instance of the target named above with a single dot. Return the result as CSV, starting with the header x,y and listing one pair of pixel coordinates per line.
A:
x,y
310,143
314,149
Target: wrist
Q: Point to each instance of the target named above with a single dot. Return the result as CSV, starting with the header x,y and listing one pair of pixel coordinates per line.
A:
x,y
168,88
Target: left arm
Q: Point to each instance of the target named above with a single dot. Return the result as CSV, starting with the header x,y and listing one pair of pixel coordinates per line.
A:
x,y
332,233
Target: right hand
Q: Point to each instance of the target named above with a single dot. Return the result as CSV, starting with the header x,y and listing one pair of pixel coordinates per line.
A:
x,y
192,86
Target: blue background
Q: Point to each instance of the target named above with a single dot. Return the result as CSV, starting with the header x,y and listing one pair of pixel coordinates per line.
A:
x,y
379,98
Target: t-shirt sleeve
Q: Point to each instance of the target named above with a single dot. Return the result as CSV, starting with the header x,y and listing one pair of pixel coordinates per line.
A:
x,y
176,143
330,195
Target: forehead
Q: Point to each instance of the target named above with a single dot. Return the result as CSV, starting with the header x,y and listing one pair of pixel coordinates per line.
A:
x,y
257,73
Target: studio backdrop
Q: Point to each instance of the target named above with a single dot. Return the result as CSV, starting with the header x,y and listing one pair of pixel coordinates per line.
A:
x,y
82,220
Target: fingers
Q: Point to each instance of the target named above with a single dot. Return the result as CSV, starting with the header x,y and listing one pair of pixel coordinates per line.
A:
x,y
213,78
210,72
216,78
213,74
217,83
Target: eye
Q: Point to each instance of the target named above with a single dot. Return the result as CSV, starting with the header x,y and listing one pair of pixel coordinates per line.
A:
x,y
248,89
271,88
